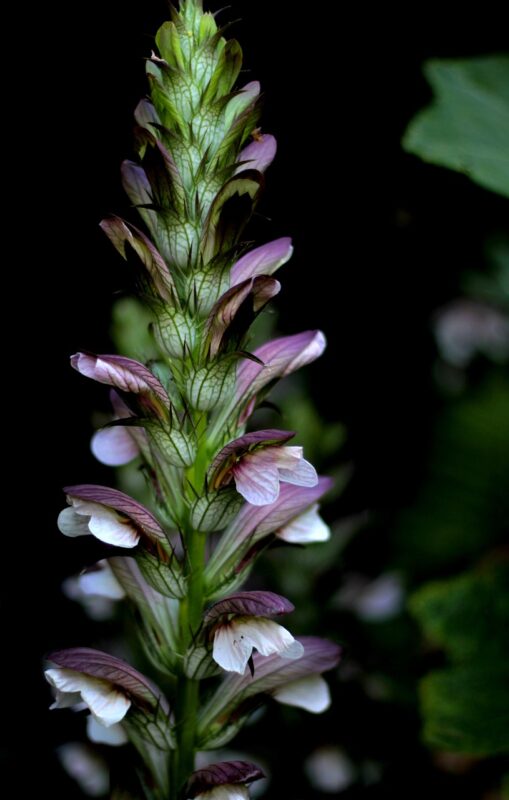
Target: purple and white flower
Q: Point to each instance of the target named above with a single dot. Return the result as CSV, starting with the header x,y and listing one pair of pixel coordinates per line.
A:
x,y
279,358
273,360
128,376
260,289
122,234
264,260
258,154
241,624
305,528
116,445
255,523
226,780
293,682
109,515
114,735
258,462
97,589
108,686
310,693
107,704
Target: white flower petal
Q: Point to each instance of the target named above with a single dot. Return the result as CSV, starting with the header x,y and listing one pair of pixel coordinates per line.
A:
x,y
286,456
114,446
72,524
256,481
66,699
115,735
267,636
294,651
302,474
307,527
106,703
101,582
310,693
226,792
231,649
95,606
65,680
106,525
89,770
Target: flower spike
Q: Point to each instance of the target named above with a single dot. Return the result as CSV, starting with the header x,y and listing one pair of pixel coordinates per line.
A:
x,y
215,495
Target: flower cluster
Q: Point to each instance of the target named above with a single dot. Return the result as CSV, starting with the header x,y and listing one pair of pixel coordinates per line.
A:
x,y
221,495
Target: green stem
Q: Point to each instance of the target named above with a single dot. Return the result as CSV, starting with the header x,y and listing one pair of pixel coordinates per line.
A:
x,y
187,702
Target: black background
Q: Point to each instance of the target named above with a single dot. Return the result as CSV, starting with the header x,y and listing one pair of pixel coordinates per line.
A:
x,y
380,240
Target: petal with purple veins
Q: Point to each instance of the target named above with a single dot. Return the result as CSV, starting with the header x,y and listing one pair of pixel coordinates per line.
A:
x,y
258,472
227,792
110,515
126,375
271,673
103,523
261,289
253,604
106,524
254,523
262,260
256,480
259,154
107,704
232,775
121,234
279,357
95,664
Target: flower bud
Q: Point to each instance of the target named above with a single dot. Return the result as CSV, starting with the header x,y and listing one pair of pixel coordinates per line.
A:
x,y
212,385
215,510
177,447
175,333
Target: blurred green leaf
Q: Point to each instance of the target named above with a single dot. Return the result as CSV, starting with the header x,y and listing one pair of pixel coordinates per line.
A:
x,y
463,505
466,128
319,438
466,709
130,329
468,616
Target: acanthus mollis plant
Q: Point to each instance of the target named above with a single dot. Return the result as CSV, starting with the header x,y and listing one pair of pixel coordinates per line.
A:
x,y
221,495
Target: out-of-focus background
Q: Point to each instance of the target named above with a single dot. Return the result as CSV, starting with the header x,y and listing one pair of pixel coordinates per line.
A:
x,y
405,266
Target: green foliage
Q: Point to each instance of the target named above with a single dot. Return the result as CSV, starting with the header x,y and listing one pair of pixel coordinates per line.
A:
x,y
466,128
467,615
130,329
466,707
320,439
462,506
